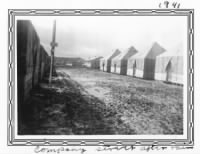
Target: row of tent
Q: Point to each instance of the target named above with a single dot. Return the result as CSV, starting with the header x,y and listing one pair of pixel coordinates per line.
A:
x,y
155,63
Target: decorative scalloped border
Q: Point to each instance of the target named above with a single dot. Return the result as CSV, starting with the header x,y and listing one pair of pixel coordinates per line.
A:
x,y
99,12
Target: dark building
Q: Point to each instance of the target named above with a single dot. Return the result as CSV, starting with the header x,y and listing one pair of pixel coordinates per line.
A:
x,y
69,61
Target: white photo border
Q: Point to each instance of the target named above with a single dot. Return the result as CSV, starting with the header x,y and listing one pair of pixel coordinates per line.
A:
x,y
12,141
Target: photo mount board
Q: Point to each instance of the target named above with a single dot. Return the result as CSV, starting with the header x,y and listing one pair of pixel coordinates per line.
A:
x,y
60,140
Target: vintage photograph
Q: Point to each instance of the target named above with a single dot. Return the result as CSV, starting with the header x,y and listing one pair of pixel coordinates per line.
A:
x,y
101,75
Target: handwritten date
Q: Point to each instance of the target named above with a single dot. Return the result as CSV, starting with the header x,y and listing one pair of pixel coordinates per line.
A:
x,y
168,5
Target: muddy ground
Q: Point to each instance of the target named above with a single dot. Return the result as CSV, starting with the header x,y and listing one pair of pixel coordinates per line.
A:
x,y
84,101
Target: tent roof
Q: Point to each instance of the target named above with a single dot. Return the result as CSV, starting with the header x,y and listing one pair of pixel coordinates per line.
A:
x,y
115,53
155,50
138,54
126,54
149,51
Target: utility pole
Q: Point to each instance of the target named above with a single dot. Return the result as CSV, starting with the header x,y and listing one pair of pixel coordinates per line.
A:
x,y
53,45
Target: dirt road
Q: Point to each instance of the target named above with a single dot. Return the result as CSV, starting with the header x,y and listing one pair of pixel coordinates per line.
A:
x,y
83,101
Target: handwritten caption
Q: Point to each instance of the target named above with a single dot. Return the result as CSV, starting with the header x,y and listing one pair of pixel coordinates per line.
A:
x,y
169,5
83,150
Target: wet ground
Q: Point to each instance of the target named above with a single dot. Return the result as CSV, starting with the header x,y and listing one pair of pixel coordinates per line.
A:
x,y
84,101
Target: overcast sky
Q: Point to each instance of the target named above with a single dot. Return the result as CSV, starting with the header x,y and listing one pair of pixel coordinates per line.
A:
x,y
90,36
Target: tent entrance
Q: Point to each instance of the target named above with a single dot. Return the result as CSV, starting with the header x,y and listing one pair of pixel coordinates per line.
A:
x,y
115,67
108,65
123,67
168,71
134,68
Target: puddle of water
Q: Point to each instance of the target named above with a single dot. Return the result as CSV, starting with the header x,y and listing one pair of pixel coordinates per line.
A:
x,y
98,92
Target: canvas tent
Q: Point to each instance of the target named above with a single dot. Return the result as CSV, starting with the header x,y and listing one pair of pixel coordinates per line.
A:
x,y
143,64
87,64
95,62
119,63
169,65
105,63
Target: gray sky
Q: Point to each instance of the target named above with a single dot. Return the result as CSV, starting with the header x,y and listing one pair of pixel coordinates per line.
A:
x,y
90,36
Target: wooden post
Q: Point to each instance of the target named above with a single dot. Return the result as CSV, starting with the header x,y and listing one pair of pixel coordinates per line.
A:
x,y
53,45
